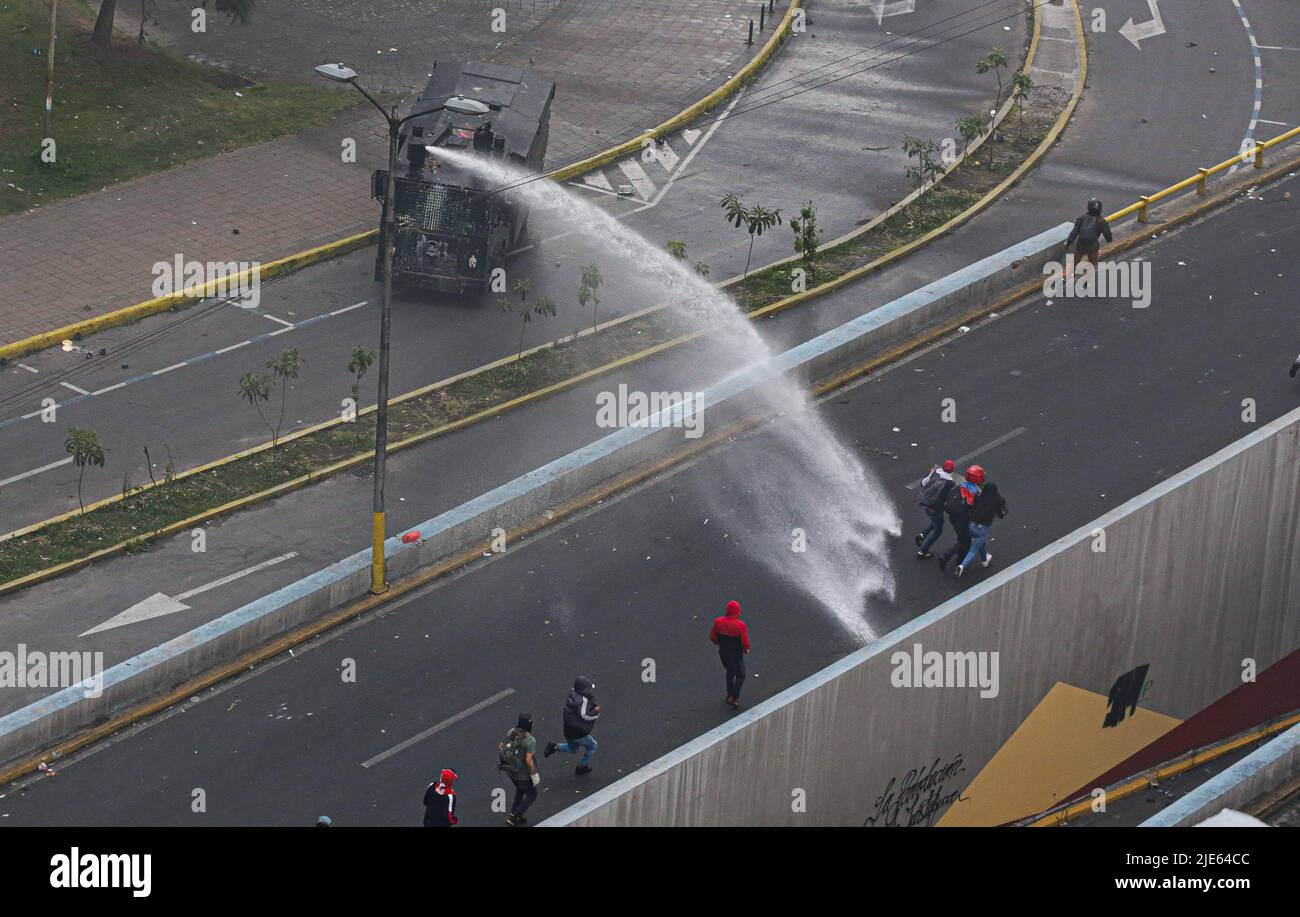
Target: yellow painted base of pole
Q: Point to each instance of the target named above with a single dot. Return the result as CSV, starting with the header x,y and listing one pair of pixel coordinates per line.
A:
x,y
377,584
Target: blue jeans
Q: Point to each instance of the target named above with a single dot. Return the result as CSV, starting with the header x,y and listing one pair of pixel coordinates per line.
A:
x,y
934,529
979,536
586,743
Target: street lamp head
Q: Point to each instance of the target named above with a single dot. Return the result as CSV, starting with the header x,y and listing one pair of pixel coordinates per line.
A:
x,y
464,106
337,72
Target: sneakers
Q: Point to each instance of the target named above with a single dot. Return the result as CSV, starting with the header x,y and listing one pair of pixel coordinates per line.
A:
x,y
582,769
549,750
732,701
958,571
920,536
516,821
924,554
988,559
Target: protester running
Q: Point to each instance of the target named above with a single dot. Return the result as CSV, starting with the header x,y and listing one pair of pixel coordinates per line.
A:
x,y
934,490
989,505
580,714
731,637
958,504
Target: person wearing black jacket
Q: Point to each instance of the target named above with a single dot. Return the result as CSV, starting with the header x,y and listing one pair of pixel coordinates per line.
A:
x,y
580,714
440,801
989,505
1086,236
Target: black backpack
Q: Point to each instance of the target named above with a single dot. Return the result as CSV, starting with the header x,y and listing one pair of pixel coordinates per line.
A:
x,y
511,755
955,504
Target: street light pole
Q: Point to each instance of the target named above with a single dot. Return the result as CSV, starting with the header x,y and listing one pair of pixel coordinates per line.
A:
x,y
49,68
388,234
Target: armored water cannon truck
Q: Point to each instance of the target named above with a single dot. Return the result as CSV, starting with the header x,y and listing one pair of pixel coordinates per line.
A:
x,y
451,232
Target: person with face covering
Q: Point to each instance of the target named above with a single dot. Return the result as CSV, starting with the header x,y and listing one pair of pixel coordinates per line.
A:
x,y
989,505
580,714
440,801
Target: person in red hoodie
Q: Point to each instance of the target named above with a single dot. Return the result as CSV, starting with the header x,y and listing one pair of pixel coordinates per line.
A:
x,y
440,801
731,637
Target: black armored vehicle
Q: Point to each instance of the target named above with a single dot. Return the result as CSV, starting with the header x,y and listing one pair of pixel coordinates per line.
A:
x,y
450,235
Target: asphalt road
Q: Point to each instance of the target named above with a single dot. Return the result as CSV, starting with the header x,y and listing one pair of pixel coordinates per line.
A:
x,y
1103,399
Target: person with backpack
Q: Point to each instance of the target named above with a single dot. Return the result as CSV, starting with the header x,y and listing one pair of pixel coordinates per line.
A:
x,y
731,637
580,714
958,505
1088,231
989,505
440,801
517,759
934,491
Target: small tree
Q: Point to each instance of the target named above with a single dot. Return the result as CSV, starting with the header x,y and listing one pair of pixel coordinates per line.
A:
x,y
756,220
1023,85
543,306
357,367
995,60
284,368
678,251
85,448
925,169
256,390
806,234
588,285
971,128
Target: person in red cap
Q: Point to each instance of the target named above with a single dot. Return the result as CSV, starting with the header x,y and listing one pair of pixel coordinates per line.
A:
x,y
731,637
440,801
958,507
934,490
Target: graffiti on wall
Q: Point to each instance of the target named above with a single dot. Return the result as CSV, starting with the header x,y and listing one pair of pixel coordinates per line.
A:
x,y
919,797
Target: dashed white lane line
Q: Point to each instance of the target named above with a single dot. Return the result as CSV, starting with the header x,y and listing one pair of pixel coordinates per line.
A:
x,y
987,447
35,471
109,388
230,348
167,369
1276,48
355,305
79,391
449,721
274,319
30,369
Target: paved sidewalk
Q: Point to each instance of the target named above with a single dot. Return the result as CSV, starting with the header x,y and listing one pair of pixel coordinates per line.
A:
x,y
619,69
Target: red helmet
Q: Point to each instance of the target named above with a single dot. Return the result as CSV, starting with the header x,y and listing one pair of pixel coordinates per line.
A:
x,y
975,474
949,465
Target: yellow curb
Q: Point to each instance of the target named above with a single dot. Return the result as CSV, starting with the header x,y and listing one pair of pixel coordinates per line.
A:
x,y
359,607
1181,765
343,246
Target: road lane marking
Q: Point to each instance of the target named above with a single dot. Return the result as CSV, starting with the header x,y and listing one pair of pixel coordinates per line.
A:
x,y
167,369
231,347
355,305
640,181
449,721
665,156
160,604
79,391
35,471
962,460
273,318
30,369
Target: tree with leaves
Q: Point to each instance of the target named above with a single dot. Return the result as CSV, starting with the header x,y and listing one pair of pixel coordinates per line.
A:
x,y
756,220
1023,85
284,368
971,128
678,252
806,234
255,388
587,286
925,170
357,367
235,10
86,449
525,312
994,61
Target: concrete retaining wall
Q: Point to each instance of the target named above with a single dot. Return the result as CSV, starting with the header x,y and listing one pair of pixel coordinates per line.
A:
x,y
1262,770
1068,619
511,505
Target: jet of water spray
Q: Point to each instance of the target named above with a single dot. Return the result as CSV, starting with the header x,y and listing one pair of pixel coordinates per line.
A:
x,y
808,480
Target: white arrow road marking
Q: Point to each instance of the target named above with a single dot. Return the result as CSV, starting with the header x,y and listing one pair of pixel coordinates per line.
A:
x,y
1135,33
158,604
28,474
449,721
